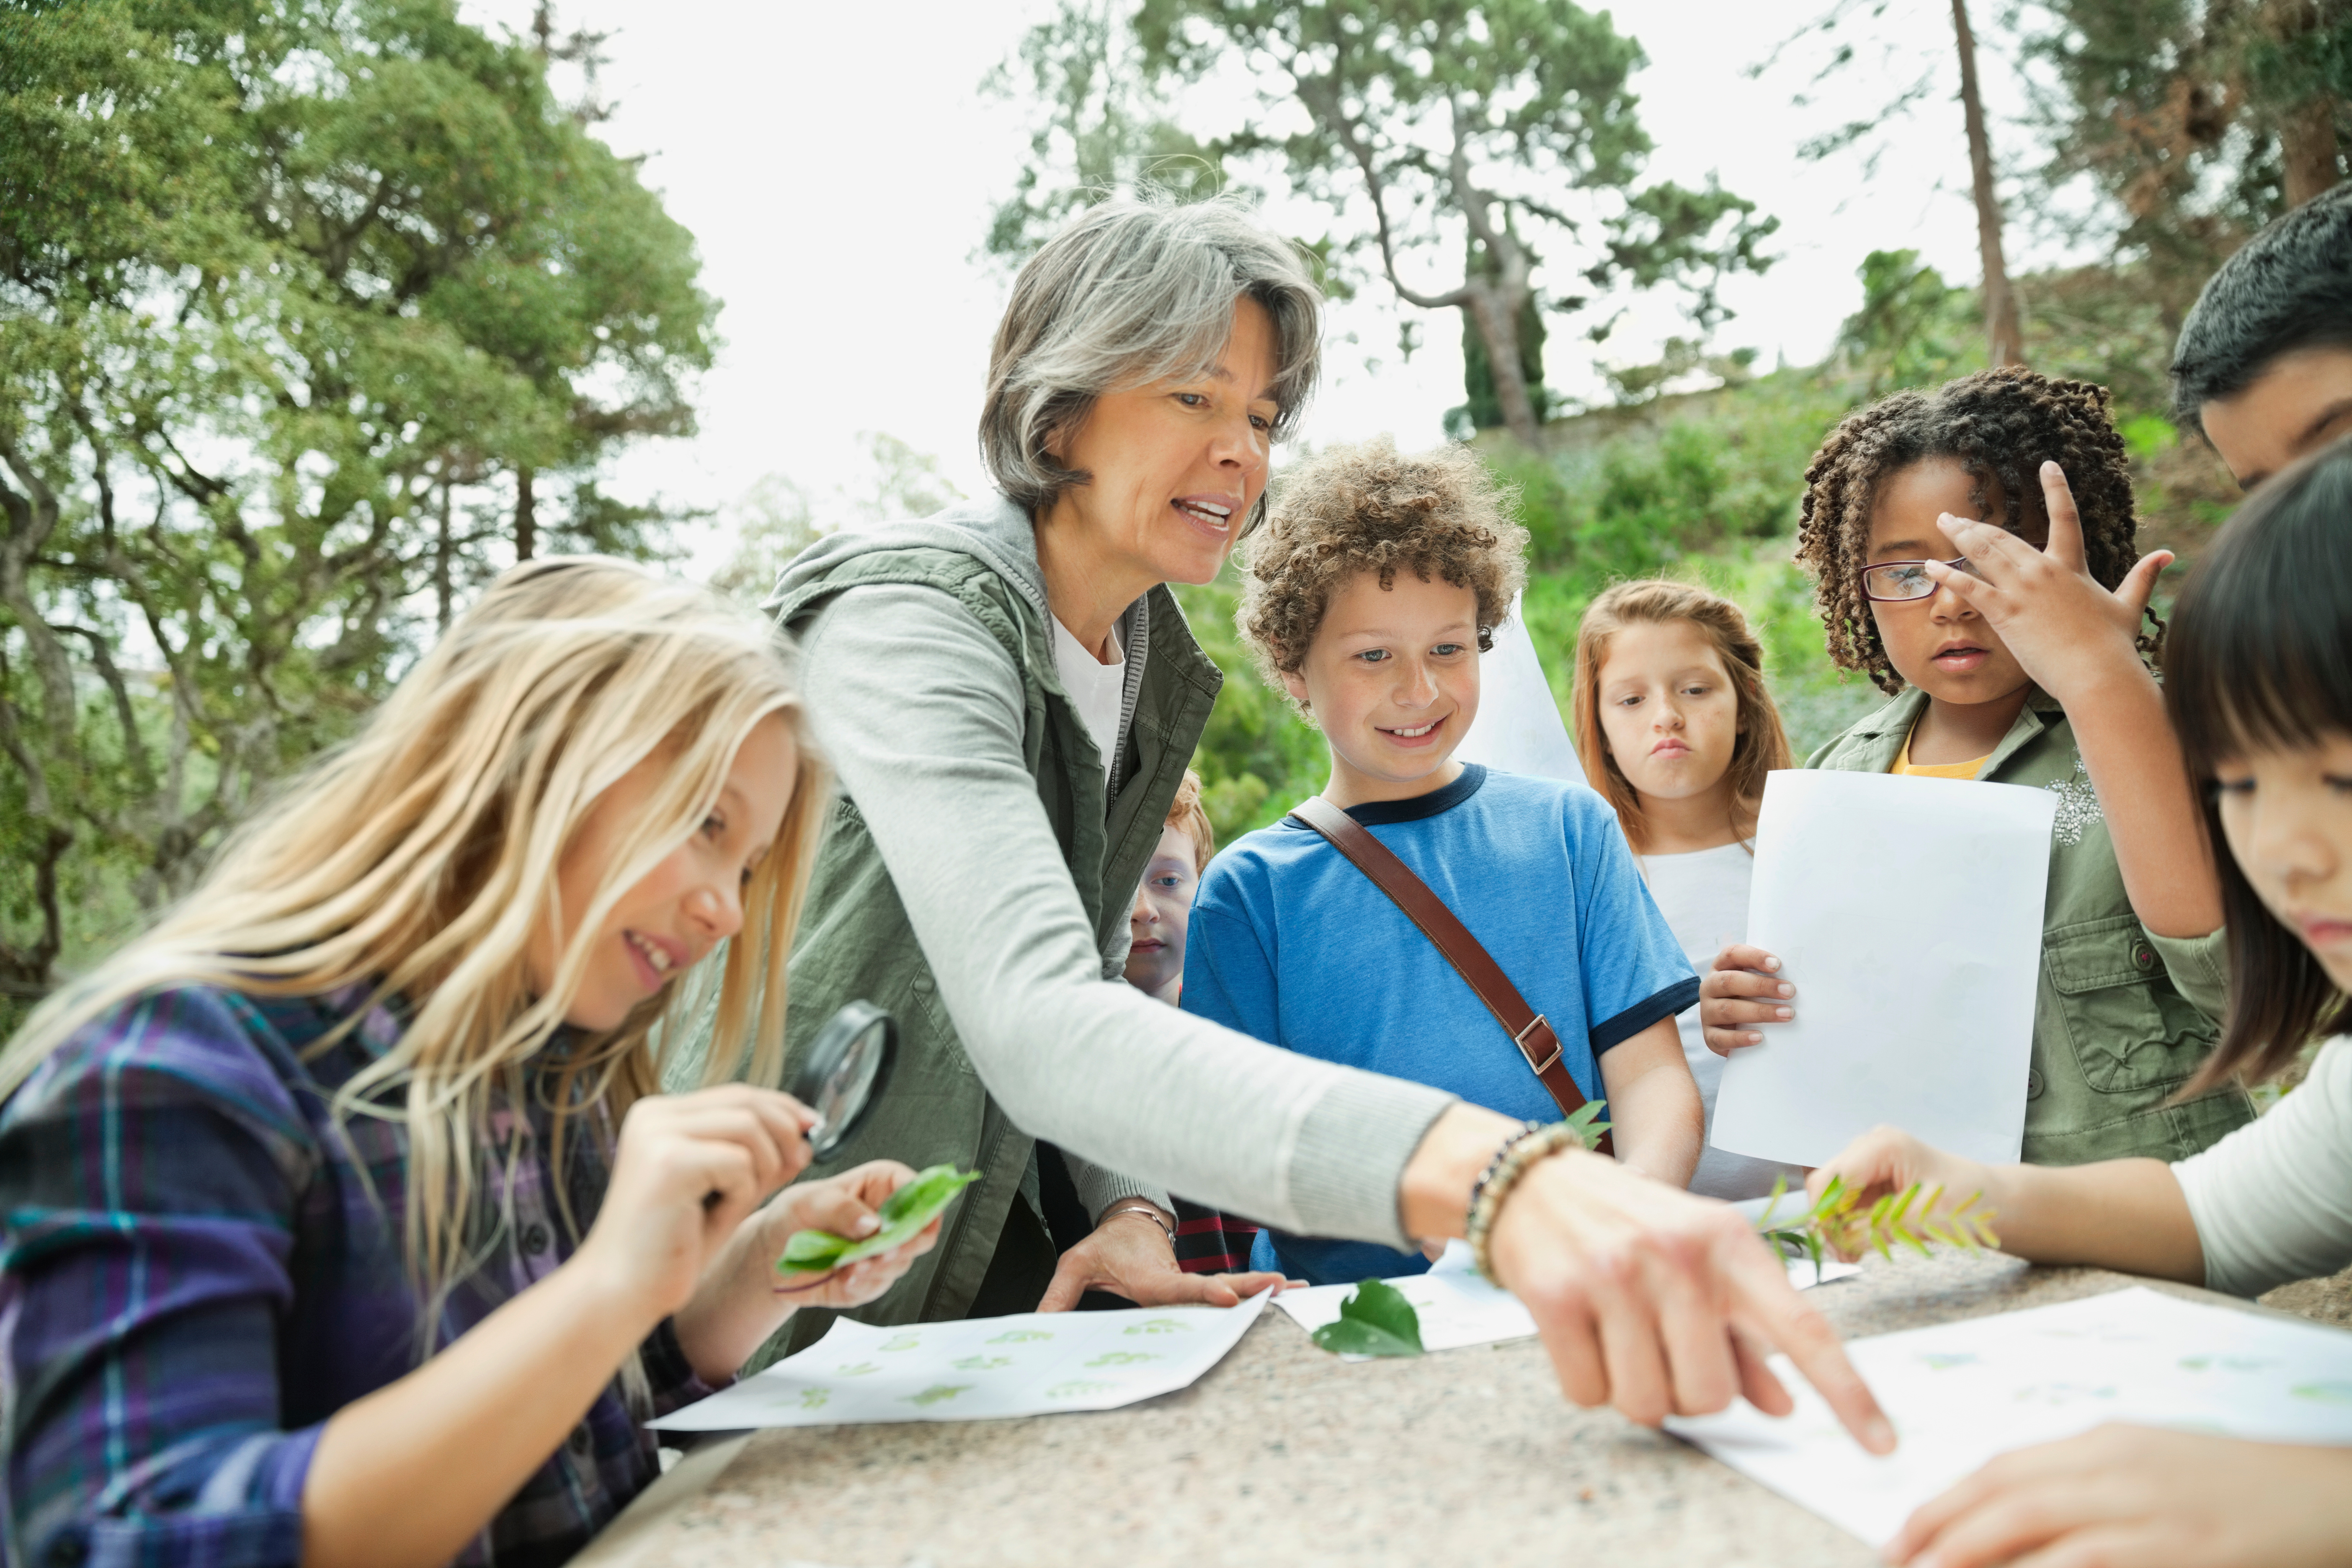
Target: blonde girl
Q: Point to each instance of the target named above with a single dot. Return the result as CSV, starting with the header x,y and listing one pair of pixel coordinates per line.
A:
x,y
343,1223
1677,731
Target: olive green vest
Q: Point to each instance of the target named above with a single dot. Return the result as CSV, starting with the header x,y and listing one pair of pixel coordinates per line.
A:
x,y
854,940
2121,1017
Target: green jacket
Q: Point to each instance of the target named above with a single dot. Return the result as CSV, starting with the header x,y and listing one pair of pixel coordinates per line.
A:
x,y
856,939
2123,1015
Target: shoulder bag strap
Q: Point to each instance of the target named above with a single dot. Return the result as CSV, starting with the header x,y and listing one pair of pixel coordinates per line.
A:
x,y
1529,1030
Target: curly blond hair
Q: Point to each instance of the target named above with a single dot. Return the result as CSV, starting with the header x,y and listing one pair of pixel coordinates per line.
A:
x,y
1363,507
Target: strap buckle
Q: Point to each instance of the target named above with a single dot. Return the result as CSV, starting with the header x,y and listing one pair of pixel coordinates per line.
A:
x,y
1520,1040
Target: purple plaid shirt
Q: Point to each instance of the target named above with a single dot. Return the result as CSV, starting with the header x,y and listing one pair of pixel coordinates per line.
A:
x,y
199,1265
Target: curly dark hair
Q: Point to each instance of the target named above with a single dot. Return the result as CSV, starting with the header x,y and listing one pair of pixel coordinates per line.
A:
x,y
2000,426
1362,507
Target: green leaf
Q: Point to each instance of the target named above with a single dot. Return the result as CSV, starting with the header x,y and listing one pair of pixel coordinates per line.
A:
x,y
903,1213
1375,1321
1587,1128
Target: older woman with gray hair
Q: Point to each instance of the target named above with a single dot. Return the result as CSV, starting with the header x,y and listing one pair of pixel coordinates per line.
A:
x,y
1010,697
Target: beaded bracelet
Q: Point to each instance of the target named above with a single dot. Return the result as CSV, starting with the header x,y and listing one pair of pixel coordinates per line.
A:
x,y
1524,1151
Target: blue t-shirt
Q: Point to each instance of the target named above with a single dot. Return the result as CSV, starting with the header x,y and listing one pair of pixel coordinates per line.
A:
x,y
1290,943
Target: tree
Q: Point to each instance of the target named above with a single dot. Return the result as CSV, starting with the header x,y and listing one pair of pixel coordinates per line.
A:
x,y
777,517
1467,129
2195,122
1099,128
2004,333
289,293
2004,340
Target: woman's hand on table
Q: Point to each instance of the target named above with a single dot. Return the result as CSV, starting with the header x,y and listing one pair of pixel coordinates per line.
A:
x,y
1131,1256
1647,1298
846,1204
1741,991
2134,1497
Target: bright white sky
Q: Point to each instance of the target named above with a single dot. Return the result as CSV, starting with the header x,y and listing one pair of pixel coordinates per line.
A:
x,y
836,164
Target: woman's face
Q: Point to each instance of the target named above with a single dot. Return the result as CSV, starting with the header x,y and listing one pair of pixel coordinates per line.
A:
x,y
1669,713
1176,465
688,903
2287,814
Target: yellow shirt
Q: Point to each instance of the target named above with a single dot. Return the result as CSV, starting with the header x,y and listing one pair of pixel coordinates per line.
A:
x,y
1904,765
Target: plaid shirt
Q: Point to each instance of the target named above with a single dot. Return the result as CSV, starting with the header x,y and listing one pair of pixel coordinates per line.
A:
x,y
199,1266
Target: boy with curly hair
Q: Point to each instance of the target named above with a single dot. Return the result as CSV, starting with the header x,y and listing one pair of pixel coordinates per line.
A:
x,y
2015,648
1367,595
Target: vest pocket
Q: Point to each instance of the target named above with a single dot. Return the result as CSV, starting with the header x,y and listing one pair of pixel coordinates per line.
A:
x,y
2126,1025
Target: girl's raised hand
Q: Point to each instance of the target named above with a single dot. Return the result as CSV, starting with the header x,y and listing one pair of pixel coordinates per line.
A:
x,y
1742,989
2131,1497
690,1168
846,1204
2066,628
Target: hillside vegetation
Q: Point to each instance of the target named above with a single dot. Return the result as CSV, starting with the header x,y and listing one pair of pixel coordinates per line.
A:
x,y
1704,486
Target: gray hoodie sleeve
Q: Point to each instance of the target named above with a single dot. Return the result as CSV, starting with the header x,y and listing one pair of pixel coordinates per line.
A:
x,y
920,709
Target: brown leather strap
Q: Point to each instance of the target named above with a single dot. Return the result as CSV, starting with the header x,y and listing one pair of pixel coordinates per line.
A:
x,y
1529,1030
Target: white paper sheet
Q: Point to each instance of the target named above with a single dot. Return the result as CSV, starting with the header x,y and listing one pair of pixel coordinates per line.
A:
x,y
1035,1363
1907,913
1961,1393
1518,728
1458,1308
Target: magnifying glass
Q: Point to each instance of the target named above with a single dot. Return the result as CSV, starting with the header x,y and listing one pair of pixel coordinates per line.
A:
x,y
845,1070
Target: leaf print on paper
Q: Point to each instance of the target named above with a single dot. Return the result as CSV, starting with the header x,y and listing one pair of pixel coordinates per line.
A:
x,y
937,1393
1122,1357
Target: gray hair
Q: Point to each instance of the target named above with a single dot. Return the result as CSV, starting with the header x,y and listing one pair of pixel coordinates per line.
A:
x,y
1135,291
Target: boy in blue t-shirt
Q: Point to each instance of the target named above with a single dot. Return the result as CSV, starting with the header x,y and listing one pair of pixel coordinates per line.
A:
x,y
1368,593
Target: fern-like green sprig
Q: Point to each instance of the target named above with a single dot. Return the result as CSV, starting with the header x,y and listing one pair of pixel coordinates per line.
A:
x,y
1836,1221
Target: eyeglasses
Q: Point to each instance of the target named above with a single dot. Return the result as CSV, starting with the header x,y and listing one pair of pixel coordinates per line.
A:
x,y
1902,582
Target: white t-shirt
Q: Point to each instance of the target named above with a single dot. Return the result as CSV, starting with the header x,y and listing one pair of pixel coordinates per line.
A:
x,y
1704,896
1098,690
2273,1201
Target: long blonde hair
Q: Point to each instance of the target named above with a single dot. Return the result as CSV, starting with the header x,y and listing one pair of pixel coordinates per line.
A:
x,y
1762,745
418,860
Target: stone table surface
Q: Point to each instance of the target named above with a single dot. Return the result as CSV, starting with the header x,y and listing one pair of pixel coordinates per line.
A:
x,y
1285,1454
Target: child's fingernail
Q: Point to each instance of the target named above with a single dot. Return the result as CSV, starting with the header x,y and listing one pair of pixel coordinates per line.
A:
x,y
867,1224
1882,1432
1772,963
1754,1039
1788,991
1782,1013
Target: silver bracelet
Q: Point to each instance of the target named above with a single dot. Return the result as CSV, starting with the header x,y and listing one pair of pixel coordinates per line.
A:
x,y
1147,1212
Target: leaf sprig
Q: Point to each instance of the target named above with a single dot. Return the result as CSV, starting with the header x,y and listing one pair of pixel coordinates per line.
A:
x,y
1836,1222
903,1214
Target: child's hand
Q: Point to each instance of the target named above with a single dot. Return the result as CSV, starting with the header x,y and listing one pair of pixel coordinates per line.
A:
x,y
2065,630
1887,1159
690,1168
2134,1496
1744,988
846,1204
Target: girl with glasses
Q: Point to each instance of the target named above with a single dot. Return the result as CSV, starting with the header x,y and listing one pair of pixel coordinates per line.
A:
x,y
1972,551
2261,688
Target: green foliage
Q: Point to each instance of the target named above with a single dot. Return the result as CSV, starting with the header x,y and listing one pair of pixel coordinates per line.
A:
x,y
903,1213
1913,330
1375,1320
295,302
1099,128
1259,757
1836,1222
1467,128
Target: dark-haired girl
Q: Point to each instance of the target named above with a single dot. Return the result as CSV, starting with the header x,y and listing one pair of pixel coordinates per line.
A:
x,y
2015,650
2259,676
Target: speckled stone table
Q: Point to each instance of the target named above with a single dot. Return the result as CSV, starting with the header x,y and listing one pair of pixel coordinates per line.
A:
x,y
1285,1454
